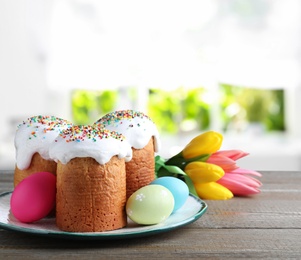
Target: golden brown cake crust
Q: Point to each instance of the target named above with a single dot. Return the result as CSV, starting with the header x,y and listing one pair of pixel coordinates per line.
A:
x,y
38,164
91,197
140,171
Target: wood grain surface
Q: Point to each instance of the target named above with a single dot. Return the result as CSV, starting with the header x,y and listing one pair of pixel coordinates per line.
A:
x,y
267,225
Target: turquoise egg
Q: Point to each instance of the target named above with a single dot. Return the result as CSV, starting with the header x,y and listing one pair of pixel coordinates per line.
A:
x,y
150,205
178,188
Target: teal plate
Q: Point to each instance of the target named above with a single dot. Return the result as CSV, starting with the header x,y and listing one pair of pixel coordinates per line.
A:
x,y
192,210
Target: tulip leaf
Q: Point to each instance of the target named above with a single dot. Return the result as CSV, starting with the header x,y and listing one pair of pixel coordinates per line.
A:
x,y
190,185
163,170
174,171
181,162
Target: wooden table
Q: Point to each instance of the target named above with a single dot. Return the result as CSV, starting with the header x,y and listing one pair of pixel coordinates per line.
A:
x,y
267,225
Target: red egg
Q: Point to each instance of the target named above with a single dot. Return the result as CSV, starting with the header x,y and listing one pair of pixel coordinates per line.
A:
x,y
34,197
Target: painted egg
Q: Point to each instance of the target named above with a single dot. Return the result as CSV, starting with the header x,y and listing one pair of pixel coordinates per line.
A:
x,y
34,197
150,204
178,188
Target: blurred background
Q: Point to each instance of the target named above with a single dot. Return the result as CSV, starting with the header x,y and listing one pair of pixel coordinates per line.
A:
x,y
231,66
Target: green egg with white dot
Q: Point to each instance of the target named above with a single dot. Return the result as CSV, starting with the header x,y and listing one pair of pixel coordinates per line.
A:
x,y
150,205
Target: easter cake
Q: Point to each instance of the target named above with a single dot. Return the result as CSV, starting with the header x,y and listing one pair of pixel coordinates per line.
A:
x,y
32,140
91,179
100,171
142,134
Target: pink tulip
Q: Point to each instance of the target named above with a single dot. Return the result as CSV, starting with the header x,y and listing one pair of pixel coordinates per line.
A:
x,y
226,159
246,171
241,184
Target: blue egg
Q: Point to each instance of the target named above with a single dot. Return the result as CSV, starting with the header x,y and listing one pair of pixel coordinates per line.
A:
x,y
177,187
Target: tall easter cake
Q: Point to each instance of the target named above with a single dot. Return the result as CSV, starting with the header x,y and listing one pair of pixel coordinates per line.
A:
x,y
32,140
142,135
97,167
91,179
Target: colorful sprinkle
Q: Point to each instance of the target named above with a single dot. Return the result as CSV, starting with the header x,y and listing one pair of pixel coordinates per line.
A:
x,y
45,123
116,117
80,133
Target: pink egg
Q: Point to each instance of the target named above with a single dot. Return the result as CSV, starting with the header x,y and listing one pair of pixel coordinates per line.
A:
x,y
34,197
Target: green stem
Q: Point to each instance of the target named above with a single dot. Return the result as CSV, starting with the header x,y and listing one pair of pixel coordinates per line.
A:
x,y
181,162
172,170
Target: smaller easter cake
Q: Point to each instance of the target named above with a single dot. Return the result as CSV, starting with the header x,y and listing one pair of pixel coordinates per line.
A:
x,y
142,134
32,140
91,179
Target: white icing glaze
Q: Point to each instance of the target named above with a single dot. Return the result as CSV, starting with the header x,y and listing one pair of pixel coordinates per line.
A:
x,y
137,127
87,141
34,136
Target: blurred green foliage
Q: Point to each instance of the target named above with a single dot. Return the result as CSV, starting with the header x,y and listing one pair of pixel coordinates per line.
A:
x,y
88,106
179,110
184,110
251,105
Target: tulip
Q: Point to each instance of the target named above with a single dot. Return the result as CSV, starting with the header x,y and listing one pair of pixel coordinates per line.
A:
x,y
206,143
240,184
246,171
201,172
212,191
209,172
226,159
198,149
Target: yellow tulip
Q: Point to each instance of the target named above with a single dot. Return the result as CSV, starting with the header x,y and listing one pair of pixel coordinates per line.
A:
x,y
206,143
201,172
212,191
